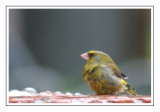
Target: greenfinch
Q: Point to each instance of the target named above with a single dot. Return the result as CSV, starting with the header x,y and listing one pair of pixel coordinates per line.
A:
x,y
103,75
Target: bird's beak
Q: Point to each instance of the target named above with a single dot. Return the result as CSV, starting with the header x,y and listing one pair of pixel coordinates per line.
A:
x,y
85,56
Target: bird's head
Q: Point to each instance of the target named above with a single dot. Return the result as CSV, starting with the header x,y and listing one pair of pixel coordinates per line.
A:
x,y
96,56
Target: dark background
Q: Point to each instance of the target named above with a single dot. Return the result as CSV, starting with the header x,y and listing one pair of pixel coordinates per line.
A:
x,y
45,46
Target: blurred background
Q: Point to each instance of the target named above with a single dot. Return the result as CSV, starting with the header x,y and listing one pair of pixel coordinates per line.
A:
x,y
45,46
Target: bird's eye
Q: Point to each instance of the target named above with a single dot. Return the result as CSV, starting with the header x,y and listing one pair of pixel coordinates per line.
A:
x,y
90,54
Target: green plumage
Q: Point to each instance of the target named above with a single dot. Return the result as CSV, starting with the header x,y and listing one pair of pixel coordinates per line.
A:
x,y
103,76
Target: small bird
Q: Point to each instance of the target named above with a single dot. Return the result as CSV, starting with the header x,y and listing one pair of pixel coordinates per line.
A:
x,y
103,75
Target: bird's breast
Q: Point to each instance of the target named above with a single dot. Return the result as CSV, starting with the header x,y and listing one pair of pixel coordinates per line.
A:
x,y
102,80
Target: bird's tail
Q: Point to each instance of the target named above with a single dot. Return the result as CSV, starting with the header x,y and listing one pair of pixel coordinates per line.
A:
x,y
129,90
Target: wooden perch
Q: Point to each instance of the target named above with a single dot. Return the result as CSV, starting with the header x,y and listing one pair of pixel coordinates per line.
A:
x,y
58,97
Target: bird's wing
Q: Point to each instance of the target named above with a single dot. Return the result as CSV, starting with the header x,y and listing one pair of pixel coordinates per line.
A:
x,y
117,72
